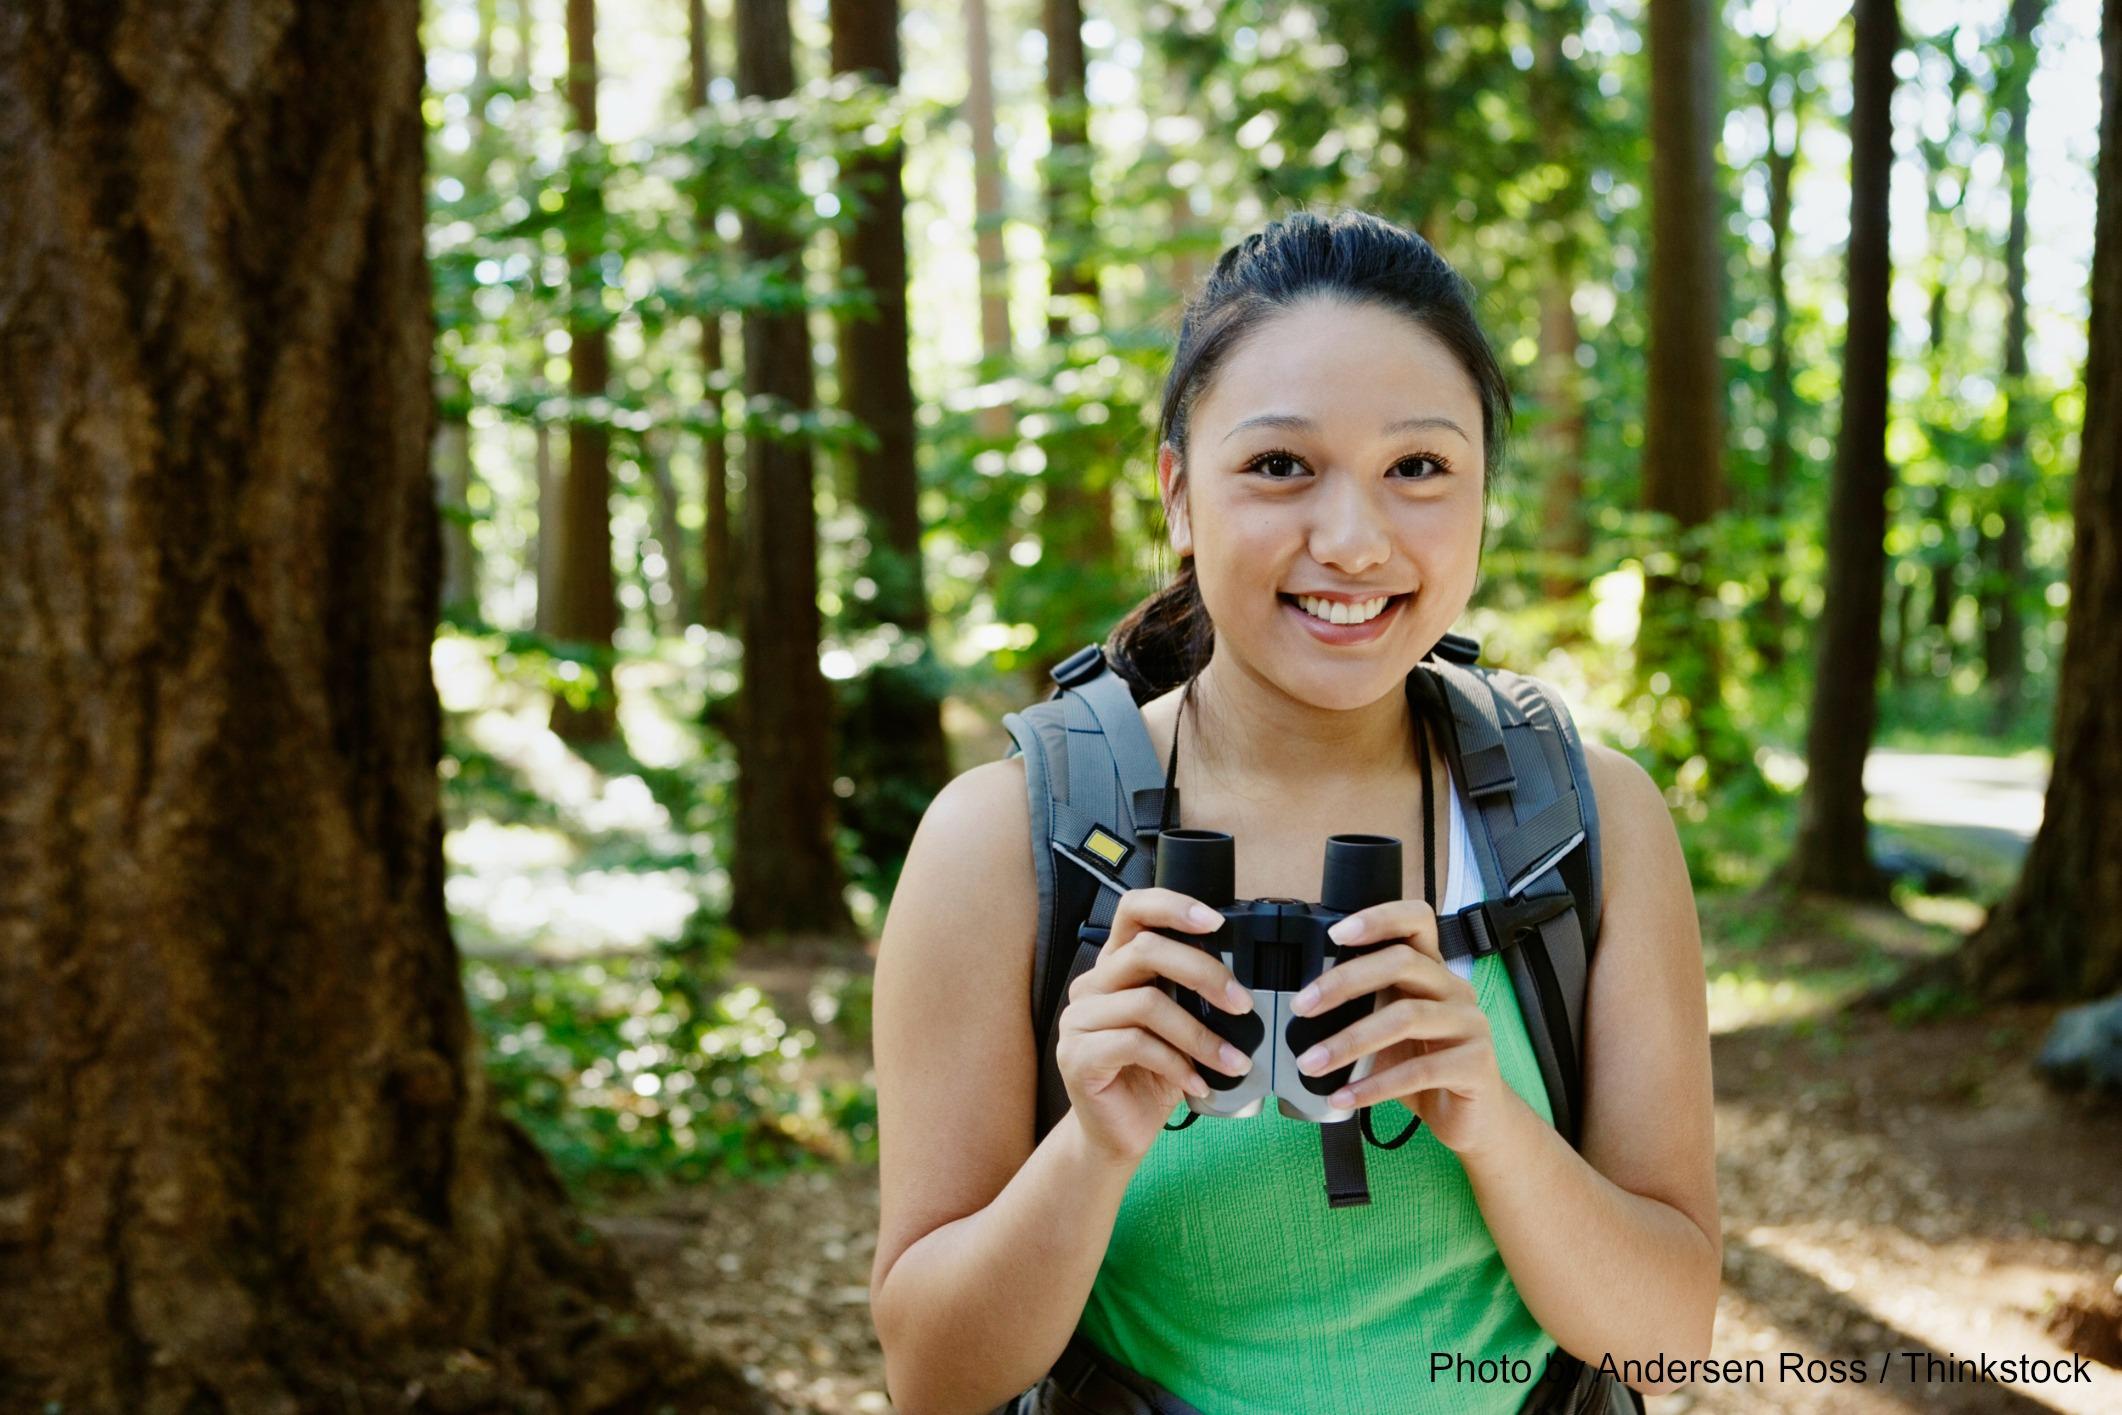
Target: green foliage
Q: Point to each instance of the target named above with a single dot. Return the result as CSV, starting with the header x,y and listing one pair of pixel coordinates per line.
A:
x,y
629,1070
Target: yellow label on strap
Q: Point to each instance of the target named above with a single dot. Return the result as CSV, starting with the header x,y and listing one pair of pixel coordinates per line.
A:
x,y
1104,846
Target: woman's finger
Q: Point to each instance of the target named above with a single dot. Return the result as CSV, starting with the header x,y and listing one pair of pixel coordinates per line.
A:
x,y
1157,1013
1397,964
1403,1019
1149,957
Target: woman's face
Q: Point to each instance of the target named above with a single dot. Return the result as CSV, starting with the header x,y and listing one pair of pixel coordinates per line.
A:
x,y
1338,449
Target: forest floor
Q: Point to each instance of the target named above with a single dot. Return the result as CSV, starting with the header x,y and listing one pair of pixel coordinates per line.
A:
x,y
1889,1185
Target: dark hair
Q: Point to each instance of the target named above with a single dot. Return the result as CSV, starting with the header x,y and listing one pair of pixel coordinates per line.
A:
x,y
1353,256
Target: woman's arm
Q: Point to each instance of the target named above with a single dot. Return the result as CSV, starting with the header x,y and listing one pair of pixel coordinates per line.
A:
x,y
986,1249
1619,1249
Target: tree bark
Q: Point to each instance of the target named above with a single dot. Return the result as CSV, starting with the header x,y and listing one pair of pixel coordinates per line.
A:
x,y
894,728
248,1161
2058,934
587,612
1683,437
1832,852
784,873
718,586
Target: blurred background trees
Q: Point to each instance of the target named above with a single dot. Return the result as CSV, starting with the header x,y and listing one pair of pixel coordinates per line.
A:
x,y
1794,302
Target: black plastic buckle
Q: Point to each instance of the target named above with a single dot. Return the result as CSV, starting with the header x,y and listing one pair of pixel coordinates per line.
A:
x,y
1508,920
1457,648
1079,667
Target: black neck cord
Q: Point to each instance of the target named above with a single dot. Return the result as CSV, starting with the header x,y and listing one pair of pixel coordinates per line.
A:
x,y
1429,856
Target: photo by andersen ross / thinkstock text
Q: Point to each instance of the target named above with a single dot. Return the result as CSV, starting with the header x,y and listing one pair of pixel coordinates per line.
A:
x,y
1921,1367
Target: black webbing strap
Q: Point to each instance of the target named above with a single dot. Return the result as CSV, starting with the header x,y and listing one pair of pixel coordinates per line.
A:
x,y
1341,1153
1086,1379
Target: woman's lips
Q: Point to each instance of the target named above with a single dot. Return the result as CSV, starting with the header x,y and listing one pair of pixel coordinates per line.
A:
x,y
1346,633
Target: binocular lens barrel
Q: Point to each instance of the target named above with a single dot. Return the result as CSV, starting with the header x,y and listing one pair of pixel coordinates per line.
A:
x,y
1201,864
1361,870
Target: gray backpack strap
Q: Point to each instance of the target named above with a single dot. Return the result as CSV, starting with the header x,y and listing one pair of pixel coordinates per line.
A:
x,y
1096,795
1534,826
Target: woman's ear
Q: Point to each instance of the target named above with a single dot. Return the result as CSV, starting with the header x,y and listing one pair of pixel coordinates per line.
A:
x,y
1171,485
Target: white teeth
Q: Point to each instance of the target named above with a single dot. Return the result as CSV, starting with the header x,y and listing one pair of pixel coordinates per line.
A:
x,y
1335,611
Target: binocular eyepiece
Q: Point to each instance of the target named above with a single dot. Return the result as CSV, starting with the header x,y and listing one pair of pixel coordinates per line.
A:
x,y
1275,947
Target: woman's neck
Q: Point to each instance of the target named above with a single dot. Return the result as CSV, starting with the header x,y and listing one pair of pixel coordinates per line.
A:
x,y
1242,728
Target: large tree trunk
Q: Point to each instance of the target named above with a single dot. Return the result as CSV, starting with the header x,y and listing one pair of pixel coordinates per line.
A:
x,y
1683,437
895,727
2059,932
994,421
1832,852
1077,520
718,587
587,611
2004,643
247,1157
784,874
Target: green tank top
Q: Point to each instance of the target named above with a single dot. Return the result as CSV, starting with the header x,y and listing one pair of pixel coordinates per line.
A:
x,y
1230,1281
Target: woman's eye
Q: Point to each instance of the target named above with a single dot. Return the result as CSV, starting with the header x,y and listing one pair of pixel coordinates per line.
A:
x,y
1424,468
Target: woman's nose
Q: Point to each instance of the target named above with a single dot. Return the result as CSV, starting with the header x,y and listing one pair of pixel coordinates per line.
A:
x,y
1350,532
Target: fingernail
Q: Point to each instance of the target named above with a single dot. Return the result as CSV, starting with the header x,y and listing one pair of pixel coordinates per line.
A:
x,y
1236,1060
1311,1059
1305,1001
1196,1087
1346,930
1342,1099
1239,997
1206,917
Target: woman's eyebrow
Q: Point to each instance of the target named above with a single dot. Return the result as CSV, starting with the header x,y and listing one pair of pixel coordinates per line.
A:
x,y
1304,424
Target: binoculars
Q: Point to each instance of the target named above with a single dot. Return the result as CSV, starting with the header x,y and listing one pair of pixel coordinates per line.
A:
x,y
1275,947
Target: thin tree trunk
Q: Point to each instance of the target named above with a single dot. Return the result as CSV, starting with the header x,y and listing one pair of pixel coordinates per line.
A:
x,y
453,484
2059,932
552,529
718,592
677,610
1077,520
2005,644
1422,191
895,729
1832,852
1783,389
1566,535
588,608
248,1159
1683,442
994,421
784,874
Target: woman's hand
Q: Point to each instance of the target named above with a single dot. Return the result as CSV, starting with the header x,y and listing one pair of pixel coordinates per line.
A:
x,y
1430,1040
1126,1049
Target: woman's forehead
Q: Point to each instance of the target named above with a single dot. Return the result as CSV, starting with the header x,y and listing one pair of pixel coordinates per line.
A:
x,y
1359,367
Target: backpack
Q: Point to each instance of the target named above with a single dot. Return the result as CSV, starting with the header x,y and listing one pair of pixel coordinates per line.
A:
x,y
1096,793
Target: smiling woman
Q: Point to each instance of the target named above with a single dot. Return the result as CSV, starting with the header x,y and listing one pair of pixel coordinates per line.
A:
x,y
1331,424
